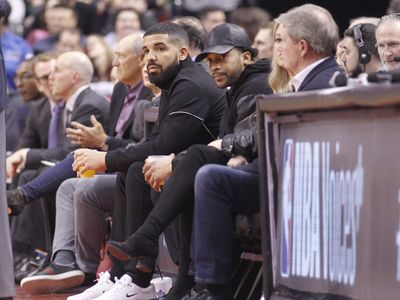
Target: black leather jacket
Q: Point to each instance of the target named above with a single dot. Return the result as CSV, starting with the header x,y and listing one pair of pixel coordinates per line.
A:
x,y
238,128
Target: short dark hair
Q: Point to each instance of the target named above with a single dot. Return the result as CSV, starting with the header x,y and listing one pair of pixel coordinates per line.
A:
x,y
368,36
175,32
8,9
194,30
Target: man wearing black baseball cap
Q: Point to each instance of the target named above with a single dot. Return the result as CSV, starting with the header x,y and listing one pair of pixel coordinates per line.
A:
x,y
230,60
224,38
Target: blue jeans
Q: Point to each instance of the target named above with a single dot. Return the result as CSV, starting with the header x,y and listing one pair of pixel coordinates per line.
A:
x,y
219,190
50,180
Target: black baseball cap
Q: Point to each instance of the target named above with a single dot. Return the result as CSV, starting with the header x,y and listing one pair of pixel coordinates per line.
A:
x,y
224,38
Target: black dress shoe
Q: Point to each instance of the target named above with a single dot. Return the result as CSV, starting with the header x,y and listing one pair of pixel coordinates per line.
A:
x,y
133,248
31,265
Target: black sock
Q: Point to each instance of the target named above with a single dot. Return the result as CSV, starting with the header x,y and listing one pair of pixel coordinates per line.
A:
x,y
141,279
117,269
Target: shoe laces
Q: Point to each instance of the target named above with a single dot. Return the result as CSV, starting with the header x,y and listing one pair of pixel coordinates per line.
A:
x,y
124,282
104,278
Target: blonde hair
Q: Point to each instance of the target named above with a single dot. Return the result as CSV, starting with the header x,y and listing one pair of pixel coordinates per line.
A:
x,y
279,77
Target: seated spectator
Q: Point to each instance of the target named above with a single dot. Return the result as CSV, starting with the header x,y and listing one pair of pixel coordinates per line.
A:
x,y
305,44
15,50
190,110
102,57
69,40
20,103
195,31
148,11
388,41
211,17
221,190
29,229
264,41
250,18
57,18
359,53
69,81
126,21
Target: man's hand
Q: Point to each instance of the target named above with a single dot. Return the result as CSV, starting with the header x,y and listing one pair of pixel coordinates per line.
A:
x,y
156,170
16,162
237,161
216,144
87,137
87,159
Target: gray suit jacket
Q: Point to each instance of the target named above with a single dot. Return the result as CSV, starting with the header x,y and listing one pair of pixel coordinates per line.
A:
x,y
88,103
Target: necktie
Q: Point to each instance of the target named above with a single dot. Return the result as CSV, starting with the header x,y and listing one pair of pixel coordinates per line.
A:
x,y
53,127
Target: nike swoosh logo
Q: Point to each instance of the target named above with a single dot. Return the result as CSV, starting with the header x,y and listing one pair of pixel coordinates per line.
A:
x,y
129,296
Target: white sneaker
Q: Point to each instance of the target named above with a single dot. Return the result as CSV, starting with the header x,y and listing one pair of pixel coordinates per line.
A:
x,y
126,289
103,285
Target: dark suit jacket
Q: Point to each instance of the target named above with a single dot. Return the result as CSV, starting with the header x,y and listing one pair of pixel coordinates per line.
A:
x,y
35,134
319,77
117,101
88,103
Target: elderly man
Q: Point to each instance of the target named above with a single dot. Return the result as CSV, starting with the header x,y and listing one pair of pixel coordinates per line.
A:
x,y
305,43
29,230
359,53
388,41
69,81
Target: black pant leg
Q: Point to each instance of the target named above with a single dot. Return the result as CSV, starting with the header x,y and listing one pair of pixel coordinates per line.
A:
x,y
138,198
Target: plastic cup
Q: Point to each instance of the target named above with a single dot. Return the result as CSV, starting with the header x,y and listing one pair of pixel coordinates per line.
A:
x,y
162,286
87,174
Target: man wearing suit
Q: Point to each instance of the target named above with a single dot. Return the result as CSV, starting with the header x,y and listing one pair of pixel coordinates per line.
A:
x,y
69,81
7,288
20,103
30,229
307,51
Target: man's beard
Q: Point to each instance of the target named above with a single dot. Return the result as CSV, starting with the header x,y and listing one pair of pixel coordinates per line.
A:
x,y
165,76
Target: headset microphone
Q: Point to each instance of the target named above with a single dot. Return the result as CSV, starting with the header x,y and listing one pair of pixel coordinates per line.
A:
x,y
364,55
396,59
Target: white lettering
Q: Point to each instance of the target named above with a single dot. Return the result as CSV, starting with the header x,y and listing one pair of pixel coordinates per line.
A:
x,y
320,208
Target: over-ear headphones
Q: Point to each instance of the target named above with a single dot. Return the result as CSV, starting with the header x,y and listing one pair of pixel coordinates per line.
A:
x,y
363,53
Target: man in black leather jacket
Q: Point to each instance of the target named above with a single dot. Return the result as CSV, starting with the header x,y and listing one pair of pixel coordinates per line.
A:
x,y
231,63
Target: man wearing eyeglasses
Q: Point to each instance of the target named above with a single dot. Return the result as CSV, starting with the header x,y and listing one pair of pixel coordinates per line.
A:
x,y
20,103
388,41
43,118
